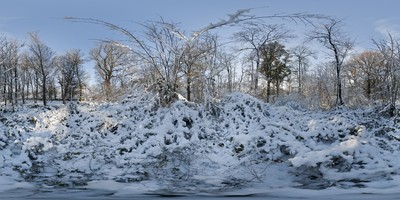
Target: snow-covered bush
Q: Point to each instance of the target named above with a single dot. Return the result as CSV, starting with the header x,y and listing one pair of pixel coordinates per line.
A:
x,y
348,148
222,145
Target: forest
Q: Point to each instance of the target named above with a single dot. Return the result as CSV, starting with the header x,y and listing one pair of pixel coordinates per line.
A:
x,y
202,67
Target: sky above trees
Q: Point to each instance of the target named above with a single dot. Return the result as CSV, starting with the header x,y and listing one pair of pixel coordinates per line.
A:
x,y
364,20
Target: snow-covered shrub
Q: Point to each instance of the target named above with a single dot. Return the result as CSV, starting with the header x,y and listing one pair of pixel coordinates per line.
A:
x,y
221,145
3,138
344,150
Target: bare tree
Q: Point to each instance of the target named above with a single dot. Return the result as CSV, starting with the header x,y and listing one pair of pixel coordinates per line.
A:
x,y
390,50
210,69
29,77
26,76
162,45
109,59
321,84
192,54
70,79
227,61
9,58
77,61
165,48
331,36
366,72
301,54
42,58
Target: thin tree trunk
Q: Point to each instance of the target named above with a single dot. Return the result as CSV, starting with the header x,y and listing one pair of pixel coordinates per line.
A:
x,y
29,79
339,100
23,79
11,94
44,88
299,78
5,95
339,87
188,89
80,87
268,91
36,87
107,87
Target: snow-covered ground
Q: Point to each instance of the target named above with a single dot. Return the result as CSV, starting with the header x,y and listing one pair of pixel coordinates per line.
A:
x,y
238,146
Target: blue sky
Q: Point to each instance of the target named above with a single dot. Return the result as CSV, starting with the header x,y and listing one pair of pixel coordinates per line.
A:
x,y
364,19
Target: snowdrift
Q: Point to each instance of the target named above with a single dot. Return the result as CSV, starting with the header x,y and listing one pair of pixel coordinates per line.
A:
x,y
189,147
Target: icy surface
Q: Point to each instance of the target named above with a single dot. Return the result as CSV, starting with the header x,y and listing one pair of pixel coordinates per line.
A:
x,y
239,145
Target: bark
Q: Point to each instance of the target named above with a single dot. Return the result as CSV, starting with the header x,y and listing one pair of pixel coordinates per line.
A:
x,y
188,88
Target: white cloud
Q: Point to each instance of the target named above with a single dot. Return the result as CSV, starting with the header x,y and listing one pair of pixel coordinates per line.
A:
x,y
385,26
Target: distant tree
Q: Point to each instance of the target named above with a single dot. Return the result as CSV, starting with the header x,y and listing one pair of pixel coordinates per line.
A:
x,y
42,58
331,36
109,59
9,58
321,88
254,36
274,66
191,68
71,74
52,89
26,76
210,70
390,50
30,76
301,56
366,71
3,68
226,61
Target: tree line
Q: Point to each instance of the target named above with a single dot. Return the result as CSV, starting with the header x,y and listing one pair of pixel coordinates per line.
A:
x,y
200,66
33,71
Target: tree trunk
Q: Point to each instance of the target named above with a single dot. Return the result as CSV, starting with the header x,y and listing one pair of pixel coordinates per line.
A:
x,y
23,80
80,87
268,90
299,78
188,89
107,88
63,95
71,93
256,73
339,100
16,85
11,94
5,95
277,88
36,86
44,88
394,91
28,81
368,89
230,86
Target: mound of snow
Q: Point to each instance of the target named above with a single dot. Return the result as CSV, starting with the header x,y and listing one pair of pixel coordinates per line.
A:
x,y
190,147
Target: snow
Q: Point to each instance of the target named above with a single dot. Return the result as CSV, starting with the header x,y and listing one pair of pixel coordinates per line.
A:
x,y
8,183
237,145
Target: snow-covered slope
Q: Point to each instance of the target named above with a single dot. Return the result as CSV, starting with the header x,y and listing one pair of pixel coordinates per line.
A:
x,y
188,147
